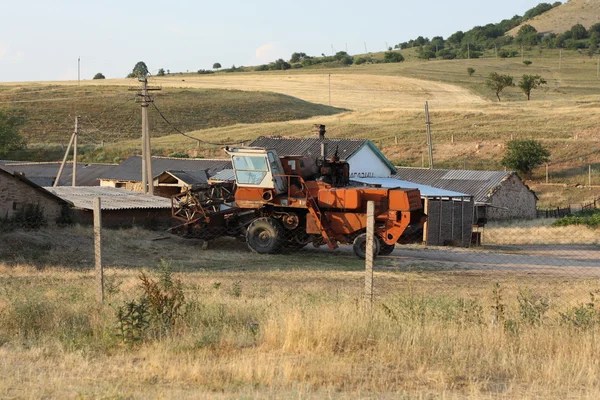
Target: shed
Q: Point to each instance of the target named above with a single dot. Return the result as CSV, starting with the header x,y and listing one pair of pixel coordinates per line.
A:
x,y
16,192
120,207
128,174
365,159
449,213
498,195
170,183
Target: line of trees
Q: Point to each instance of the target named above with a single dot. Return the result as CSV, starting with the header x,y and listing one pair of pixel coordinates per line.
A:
x,y
472,43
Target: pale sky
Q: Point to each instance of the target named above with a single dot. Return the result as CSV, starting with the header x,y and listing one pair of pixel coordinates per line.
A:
x,y
41,40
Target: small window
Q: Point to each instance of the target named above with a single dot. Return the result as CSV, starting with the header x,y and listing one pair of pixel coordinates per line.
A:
x,y
14,205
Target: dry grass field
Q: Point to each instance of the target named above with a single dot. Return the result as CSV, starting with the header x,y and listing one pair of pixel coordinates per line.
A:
x,y
254,326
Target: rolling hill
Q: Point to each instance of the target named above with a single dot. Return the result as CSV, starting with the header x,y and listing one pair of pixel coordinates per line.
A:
x,y
562,18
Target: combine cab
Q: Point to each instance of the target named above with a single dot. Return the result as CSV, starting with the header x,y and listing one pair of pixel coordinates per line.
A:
x,y
288,202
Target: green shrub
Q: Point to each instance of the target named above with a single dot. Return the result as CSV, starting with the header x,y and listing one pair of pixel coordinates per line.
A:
x,y
393,57
589,218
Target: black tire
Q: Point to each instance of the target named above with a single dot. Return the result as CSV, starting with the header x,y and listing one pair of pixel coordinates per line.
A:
x,y
385,249
265,236
360,246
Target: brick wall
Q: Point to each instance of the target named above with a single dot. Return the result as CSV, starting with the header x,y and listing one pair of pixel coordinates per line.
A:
x,y
14,194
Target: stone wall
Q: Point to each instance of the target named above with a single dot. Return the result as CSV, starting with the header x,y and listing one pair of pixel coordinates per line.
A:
x,y
512,200
15,194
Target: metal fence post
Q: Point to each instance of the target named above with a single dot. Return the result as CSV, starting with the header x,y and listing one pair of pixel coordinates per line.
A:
x,y
369,252
98,249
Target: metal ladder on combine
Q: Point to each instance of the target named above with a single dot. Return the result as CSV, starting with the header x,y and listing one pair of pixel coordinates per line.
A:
x,y
313,209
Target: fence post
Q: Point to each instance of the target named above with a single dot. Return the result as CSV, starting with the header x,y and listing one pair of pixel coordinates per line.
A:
x,y
98,249
369,252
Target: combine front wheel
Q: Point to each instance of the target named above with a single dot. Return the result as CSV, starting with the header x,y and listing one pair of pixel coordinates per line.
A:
x,y
265,235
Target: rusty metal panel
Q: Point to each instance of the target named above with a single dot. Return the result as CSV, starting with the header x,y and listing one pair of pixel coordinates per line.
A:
x,y
349,199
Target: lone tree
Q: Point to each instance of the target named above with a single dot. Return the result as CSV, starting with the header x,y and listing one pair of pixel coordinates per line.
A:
x,y
470,71
498,83
140,69
217,66
530,82
10,139
99,75
525,155
161,72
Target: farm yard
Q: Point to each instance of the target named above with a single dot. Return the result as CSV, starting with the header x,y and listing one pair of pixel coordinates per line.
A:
x,y
489,291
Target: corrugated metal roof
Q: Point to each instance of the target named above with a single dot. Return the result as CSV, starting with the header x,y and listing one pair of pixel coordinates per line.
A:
x,y
426,191
188,177
44,173
112,198
227,175
131,169
479,184
309,146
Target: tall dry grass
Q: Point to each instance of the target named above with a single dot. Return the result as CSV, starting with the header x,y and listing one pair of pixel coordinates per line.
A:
x,y
539,232
295,334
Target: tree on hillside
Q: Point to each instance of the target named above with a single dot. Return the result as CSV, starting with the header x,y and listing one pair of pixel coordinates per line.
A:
x,y
217,66
579,32
297,57
99,75
10,139
470,71
525,155
392,57
539,9
528,36
161,72
139,70
344,58
530,82
498,83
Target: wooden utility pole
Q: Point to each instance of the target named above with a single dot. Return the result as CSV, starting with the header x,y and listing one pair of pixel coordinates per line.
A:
x,y
98,250
522,54
147,177
598,68
78,71
329,90
590,175
76,133
560,60
468,51
547,175
64,161
429,142
369,252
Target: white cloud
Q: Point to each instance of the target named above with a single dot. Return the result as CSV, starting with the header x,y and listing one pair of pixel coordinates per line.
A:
x,y
266,52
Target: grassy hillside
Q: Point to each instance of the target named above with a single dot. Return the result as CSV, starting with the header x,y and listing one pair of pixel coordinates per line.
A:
x,y
385,103
562,18
110,113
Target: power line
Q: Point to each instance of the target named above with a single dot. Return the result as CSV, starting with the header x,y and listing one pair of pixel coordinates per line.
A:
x,y
191,137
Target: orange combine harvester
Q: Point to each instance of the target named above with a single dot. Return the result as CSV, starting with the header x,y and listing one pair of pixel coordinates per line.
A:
x,y
288,202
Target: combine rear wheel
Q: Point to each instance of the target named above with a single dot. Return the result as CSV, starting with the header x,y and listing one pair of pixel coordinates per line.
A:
x,y
360,246
265,236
